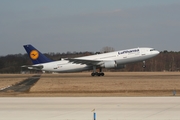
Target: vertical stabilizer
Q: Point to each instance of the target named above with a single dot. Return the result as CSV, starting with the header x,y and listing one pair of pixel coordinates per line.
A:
x,y
36,56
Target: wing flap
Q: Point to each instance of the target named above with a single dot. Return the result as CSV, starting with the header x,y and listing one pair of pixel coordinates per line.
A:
x,y
84,61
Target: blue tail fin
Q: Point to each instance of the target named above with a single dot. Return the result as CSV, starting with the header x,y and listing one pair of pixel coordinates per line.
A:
x,y
36,56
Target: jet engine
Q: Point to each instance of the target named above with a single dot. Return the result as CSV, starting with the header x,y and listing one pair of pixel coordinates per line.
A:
x,y
112,64
109,64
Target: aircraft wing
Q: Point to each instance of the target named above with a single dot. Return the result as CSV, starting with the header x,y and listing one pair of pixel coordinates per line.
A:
x,y
37,67
84,61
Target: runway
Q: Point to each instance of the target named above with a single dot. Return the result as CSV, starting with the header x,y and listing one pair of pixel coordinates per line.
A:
x,y
80,108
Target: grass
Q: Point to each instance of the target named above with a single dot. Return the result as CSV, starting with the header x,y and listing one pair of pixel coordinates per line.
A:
x,y
112,84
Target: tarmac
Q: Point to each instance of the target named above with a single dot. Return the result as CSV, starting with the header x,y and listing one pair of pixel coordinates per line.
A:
x,y
83,108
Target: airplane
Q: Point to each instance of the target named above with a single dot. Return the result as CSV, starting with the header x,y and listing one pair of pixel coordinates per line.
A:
x,y
116,59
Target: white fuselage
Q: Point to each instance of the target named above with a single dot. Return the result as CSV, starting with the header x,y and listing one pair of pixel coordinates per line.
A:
x,y
121,57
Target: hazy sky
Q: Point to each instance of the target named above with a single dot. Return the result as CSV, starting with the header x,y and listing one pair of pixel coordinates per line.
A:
x,y
88,25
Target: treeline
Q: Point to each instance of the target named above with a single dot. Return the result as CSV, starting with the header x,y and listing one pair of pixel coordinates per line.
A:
x,y
165,61
13,63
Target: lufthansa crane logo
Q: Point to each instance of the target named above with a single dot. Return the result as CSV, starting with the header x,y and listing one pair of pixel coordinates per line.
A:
x,y
34,54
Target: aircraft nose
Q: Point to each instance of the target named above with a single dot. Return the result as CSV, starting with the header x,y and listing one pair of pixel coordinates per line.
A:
x,y
157,52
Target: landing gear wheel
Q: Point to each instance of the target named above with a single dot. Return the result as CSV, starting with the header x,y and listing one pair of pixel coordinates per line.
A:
x,y
97,74
93,74
102,74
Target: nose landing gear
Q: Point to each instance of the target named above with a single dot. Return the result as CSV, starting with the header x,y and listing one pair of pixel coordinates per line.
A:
x,y
144,64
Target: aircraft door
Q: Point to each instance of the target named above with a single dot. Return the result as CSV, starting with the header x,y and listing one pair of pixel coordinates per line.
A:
x,y
143,52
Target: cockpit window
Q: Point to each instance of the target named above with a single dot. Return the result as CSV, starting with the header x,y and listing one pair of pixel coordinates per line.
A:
x,y
152,49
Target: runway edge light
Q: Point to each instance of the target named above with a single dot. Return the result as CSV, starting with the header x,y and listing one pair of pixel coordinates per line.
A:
x,y
94,114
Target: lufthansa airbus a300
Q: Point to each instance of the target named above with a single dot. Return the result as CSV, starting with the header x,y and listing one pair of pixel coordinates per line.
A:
x,y
116,59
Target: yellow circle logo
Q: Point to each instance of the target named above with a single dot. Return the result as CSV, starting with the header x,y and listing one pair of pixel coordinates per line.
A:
x,y
34,54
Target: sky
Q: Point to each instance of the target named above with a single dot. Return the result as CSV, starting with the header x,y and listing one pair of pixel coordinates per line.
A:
x,y
88,25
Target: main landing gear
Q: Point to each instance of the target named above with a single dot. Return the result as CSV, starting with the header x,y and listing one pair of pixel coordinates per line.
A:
x,y
97,74
94,73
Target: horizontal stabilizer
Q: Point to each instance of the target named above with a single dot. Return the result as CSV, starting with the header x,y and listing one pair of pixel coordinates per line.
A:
x,y
38,67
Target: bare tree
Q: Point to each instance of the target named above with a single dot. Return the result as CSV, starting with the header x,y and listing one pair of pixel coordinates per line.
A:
x,y
107,49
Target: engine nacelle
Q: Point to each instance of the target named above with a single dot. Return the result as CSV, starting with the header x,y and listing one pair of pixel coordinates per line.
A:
x,y
109,64
112,64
